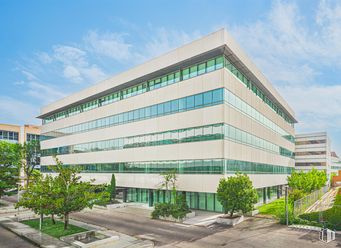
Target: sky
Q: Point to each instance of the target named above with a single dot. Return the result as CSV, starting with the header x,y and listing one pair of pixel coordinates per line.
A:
x,y
50,49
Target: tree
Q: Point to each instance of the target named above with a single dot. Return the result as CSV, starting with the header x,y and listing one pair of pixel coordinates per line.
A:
x,y
30,155
307,182
169,182
40,196
112,188
236,193
72,194
9,166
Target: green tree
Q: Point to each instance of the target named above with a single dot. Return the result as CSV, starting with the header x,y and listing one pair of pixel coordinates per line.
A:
x,y
112,188
236,193
40,196
30,155
9,166
72,194
307,182
169,183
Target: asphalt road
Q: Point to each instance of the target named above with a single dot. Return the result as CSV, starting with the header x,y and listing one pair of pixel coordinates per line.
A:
x,y
252,233
161,232
10,240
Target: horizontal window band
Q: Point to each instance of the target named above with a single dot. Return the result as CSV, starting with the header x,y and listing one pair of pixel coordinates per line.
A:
x,y
201,100
206,166
195,134
169,79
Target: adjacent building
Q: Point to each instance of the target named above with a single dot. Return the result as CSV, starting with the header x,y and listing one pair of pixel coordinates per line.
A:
x,y
204,110
313,151
19,134
336,163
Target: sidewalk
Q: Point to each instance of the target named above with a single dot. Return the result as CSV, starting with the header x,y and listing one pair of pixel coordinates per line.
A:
x,y
32,235
114,240
326,202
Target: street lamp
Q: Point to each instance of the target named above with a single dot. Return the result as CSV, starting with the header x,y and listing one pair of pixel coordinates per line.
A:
x,y
286,205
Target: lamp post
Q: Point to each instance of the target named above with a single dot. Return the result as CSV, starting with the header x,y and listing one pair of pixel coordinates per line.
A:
x,y
286,205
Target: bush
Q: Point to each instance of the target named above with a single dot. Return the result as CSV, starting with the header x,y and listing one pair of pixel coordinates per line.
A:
x,y
177,210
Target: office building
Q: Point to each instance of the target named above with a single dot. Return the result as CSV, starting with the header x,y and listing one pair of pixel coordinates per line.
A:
x,y
204,110
19,134
313,151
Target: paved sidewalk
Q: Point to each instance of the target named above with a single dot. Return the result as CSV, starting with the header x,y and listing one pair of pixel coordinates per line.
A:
x,y
33,235
202,218
326,202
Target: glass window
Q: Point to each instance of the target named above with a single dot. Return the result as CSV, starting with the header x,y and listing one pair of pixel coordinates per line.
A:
x,y
193,71
201,68
160,109
182,104
175,106
170,78
198,100
167,107
208,98
185,74
153,110
217,95
163,81
210,65
177,77
190,102
219,62
157,83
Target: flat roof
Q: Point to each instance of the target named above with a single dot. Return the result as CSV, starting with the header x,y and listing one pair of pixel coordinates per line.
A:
x,y
219,42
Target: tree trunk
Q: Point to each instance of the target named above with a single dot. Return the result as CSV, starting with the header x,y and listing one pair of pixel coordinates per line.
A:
x,y
42,218
52,218
66,221
231,213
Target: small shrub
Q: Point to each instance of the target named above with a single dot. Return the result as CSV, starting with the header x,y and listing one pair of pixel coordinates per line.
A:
x,y
177,210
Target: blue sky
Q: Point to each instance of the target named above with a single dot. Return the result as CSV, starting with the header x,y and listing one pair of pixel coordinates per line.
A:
x,y
49,49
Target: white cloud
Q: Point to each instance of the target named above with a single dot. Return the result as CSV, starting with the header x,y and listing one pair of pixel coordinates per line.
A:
x,y
44,57
163,40
16,111
296,51
69,55
109,44
72,73
43,92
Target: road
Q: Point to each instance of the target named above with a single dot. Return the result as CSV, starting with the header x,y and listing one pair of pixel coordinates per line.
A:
x,y
253,232
135,224
262,233
10,240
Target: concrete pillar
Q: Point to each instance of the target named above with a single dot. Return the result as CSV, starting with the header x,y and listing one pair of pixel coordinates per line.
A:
x,y
150,198
125,195
264,195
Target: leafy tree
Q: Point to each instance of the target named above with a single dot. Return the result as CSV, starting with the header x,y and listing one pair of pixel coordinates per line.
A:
x,y
72,194
169,182
30,155
9,166
307,182
112,188
236,193
177,208
40,196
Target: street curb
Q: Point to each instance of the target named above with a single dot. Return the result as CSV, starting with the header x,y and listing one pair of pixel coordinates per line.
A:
x,y
32,241
19,235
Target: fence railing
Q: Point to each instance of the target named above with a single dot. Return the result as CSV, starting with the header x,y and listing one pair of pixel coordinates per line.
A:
x,y
301,205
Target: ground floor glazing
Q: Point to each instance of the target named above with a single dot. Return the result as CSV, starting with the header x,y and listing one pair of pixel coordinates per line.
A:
x,y
195,200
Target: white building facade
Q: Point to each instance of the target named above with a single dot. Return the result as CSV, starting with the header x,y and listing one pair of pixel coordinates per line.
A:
x,y
203,110
313,150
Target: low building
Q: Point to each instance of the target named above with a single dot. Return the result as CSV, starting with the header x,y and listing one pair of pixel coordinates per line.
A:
x,y
313,151
19,134
204,110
